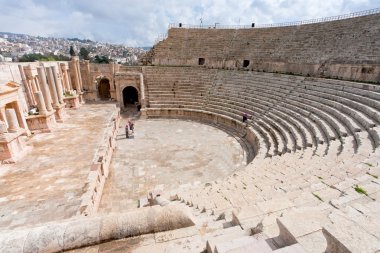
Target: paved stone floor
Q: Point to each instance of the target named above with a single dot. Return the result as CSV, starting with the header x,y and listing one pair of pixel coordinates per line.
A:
x,y
47,183
167,152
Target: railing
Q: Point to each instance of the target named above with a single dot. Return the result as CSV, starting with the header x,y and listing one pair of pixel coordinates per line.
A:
x,y
160,37
296,23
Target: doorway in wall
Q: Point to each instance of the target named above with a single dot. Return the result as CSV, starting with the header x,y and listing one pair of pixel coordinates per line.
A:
x,y
104,89
130,95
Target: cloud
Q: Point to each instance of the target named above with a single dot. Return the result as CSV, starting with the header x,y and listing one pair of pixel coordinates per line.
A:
x,y
137,23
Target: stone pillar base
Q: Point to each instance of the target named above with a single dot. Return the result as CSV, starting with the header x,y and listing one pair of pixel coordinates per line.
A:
x,y
72,102
60,113
41,123
143,113
81,98
12,146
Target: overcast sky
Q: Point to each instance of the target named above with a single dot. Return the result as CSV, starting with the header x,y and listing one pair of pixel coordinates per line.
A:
x,y
138,23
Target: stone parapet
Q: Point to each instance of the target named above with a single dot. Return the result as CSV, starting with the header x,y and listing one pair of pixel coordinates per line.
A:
x,y
99,170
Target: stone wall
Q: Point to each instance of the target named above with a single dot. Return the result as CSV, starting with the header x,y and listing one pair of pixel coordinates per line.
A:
x,y
347,49
100,167
93,73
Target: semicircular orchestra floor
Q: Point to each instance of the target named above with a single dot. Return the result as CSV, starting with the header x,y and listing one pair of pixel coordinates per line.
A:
x,y
167,153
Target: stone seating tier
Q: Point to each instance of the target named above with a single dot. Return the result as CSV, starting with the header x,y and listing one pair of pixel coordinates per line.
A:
x,y
337,121
316,143
347,44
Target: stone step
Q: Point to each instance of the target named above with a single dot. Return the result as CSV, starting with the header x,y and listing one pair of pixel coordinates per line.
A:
x,y
224,247
295,248
223,235
345,235
259,246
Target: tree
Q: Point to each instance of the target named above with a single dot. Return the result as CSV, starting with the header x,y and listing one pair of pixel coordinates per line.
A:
x,y
72,52
83,53
101,59
41,57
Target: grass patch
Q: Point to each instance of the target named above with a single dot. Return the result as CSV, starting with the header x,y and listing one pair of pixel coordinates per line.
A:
x,y
374,176
369,164
321,178
245,188
317,196
360,190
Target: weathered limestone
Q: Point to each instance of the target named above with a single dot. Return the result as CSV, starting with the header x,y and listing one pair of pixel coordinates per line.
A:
x,y
44,88
85,231
52,87
58,83
40,103
55,91
65,78
76,77
28,88
100,168
45,120
13,125
307,48
127,79
72,100
142,88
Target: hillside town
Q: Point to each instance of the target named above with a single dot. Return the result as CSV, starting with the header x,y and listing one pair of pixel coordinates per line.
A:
x,y
15,46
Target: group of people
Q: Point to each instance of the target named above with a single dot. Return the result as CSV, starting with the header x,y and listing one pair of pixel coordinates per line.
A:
x,y
129,129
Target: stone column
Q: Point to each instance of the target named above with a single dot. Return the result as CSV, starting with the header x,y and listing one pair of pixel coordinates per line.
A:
x,y
44,88
52,86
13,125
62,67
142,89
20,115
35,85
79,76
58,84
74,71
28,92
3,128
66,76
40,103
2,115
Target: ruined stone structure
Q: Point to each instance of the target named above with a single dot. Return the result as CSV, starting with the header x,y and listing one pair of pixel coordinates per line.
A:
x,y
311,182
339,49
13,123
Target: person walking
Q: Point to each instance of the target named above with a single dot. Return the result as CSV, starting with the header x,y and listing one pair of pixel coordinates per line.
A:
x,y
131,126
127,130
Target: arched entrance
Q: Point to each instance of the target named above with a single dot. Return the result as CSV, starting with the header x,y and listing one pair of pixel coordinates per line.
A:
x,y
130,95
104,89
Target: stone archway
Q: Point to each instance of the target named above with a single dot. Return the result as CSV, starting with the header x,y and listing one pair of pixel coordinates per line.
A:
x,y
104,89
130,95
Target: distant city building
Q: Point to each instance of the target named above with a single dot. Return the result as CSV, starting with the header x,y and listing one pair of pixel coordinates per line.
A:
x,y
17,45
